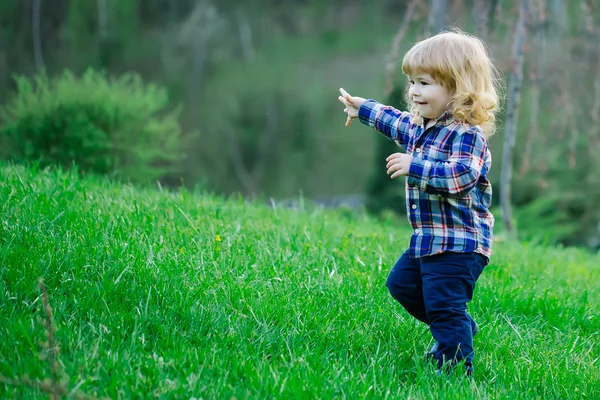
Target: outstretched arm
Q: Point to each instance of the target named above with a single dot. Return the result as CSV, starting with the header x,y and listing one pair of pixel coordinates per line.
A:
x,y
392,123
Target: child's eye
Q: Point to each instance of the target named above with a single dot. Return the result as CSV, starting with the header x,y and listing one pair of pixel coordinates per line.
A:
x,y
411,82
424,83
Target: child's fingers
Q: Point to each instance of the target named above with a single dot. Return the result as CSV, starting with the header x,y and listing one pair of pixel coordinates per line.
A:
x,y
345,101
396,170
391,167
347,96
394,161
397,174
393,156
348,121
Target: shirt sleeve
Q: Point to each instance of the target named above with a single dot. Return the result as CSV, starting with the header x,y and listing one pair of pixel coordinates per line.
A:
x,y
457,176
392,123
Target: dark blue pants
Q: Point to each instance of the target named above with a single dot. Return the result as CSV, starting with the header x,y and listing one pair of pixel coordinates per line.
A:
x,y
435,290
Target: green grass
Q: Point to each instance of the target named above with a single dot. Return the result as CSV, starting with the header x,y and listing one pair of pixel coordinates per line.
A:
x,y
287,304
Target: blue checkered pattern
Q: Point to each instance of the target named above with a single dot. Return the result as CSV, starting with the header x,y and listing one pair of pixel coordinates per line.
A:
x,y
448,195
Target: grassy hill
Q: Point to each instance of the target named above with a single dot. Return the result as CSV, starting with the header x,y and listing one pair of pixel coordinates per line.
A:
x,y
185,295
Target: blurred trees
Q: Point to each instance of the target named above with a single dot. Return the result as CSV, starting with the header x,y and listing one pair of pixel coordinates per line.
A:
x,y
258,80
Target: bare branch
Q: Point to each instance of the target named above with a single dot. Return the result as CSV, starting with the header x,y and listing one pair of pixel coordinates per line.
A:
x,y
392,62
197,33
55,386
53,350
46,386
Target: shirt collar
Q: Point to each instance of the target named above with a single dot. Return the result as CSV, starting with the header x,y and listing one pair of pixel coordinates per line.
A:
x,y
445,119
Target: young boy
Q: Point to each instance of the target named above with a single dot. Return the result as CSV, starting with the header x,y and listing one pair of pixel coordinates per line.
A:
x,y
453,99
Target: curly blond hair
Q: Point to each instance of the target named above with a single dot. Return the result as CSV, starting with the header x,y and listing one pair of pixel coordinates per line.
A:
x,y
460,63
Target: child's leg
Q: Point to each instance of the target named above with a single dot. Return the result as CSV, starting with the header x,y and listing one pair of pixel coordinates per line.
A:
x,y
404,283
448,284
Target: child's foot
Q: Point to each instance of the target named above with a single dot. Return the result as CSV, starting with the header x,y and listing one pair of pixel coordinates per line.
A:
x,y
468,370
429,355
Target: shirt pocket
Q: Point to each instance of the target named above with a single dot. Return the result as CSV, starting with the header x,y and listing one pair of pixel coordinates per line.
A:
x,y
436,152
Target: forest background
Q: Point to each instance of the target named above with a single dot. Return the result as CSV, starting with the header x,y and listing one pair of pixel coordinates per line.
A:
x,y
241,97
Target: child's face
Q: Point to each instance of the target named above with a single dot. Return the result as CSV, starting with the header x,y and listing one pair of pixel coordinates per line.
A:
x,y
431,98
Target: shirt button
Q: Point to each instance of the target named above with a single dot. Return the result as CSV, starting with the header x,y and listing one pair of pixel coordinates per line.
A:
x,y
414,206
417,231
418,150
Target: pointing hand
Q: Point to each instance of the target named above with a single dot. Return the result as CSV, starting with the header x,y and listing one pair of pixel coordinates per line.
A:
x,y
352,104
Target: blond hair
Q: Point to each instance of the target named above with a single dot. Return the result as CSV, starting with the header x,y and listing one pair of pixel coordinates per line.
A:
x,y
460,63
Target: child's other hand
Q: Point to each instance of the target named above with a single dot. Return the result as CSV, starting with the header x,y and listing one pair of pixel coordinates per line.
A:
x,y
398,164
352,104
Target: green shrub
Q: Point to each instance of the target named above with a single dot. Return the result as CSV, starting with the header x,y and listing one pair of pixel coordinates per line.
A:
x,y
119,126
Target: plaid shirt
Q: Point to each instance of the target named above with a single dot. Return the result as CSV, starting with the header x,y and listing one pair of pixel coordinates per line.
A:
x,y
448,195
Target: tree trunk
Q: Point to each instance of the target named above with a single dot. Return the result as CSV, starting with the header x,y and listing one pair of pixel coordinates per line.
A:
x,y
536,75
203,17
36,17
103,19
512,108
483,13
251,175
437,15
245,32
481,16
240,169
560,15
594,147
593,37
198,72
